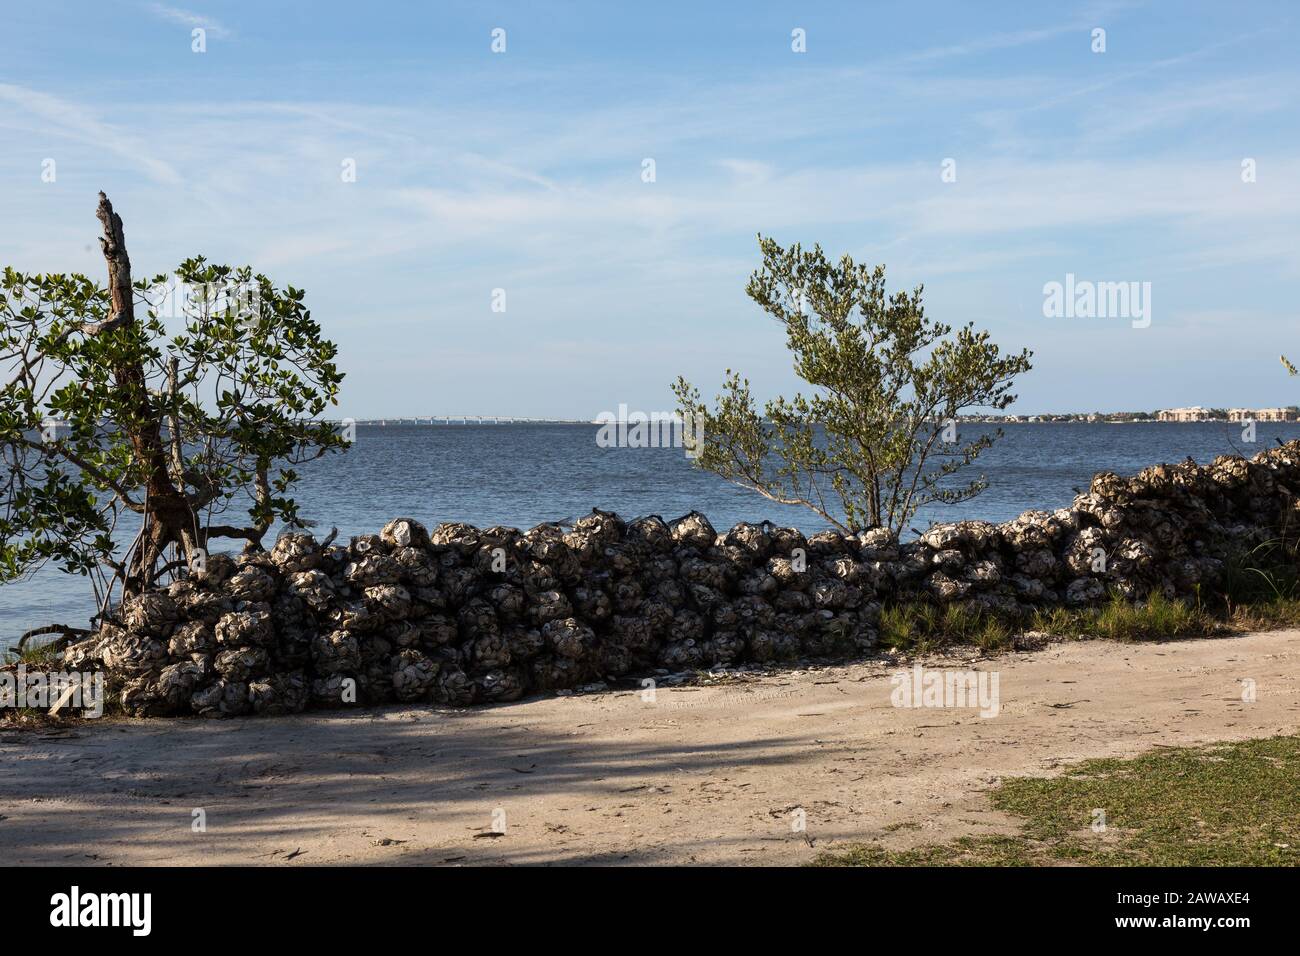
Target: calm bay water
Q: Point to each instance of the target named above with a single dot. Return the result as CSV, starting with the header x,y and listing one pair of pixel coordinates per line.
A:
x,y
522,475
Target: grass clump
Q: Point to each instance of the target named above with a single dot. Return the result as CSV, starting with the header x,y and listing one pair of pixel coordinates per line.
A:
x,y
1235,804
922,626
964,851
1258,590
36,656
1120,619
1253,599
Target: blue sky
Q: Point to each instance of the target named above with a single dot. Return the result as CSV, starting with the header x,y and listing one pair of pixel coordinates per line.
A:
x,y
522,171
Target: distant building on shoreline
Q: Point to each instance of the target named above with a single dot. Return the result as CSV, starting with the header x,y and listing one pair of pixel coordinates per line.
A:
x,y
1275,415
1193,414
1198,414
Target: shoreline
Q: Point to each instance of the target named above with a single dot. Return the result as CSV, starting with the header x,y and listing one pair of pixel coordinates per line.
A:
x,y
423,422
1040,467
466,615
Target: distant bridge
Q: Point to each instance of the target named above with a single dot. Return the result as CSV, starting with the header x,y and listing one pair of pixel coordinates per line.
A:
x,y
470,420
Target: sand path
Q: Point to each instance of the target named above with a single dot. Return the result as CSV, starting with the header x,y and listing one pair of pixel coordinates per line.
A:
x,y
708,775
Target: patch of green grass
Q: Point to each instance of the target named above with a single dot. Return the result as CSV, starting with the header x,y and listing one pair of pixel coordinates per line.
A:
x,y
1157,618
964,851
1234,804
40,655
1267,615
1263,574
1259,590
923,626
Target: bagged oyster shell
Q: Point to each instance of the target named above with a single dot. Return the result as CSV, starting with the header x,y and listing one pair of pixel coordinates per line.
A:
x,y
627,595
336,652
403,634
754,540
713,574
221,699
770,645
554,673
687,626
1085,549
139,697
569,638
693,531
251,583
177,682
524,642
604,599
489,651
84,654
478,618
414,676
372,569
215,570
754,611
152,615
334,690
878,544
760,583
615,660
296,552
725,647
454,688
459,585
498,686
657,613
1037,563
437,631
281,694
132,654
1083,591
419,568
314,587
456,536
969,536
549,606
605,525
354,616
245,628
405,533
793,601
682,655
388,602
650,535
947,589
193,637
239,664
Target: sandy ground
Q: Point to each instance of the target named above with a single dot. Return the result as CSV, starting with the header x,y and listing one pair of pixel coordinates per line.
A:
x,y
708,775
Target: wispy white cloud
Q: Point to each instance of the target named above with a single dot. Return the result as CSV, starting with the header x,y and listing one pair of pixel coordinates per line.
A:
x,y
987,44
540,192
67,120
1092,17
214,27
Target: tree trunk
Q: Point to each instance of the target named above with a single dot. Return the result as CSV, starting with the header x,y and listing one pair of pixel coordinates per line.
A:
x,y
168,516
